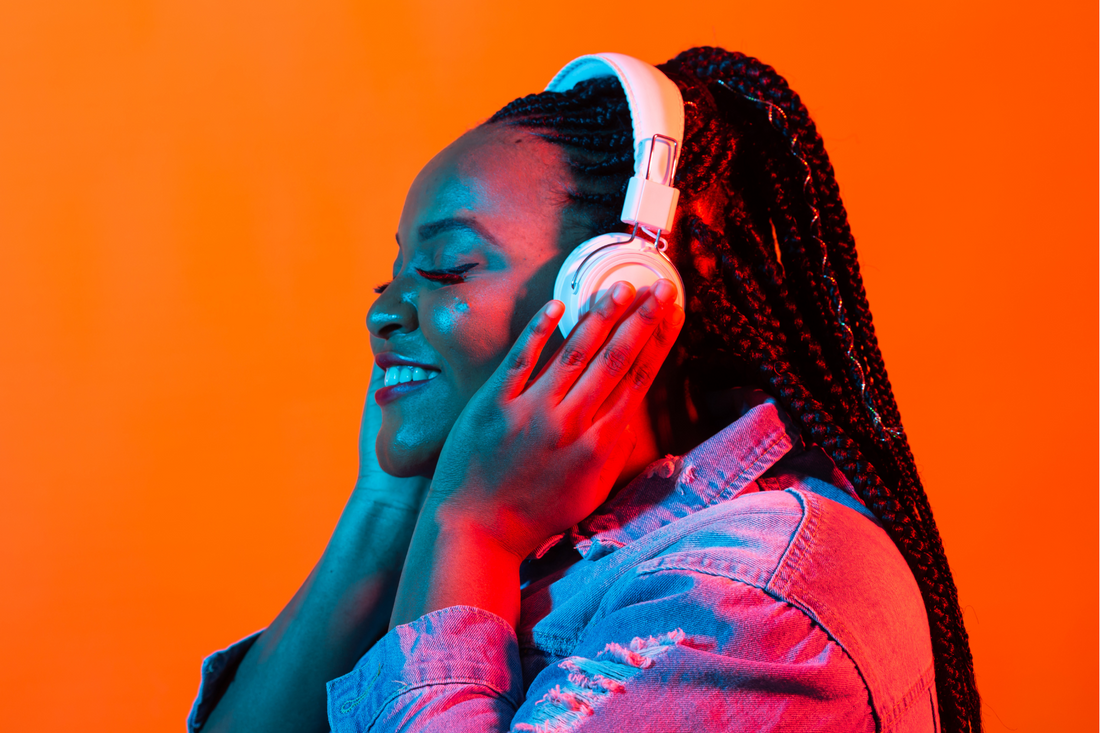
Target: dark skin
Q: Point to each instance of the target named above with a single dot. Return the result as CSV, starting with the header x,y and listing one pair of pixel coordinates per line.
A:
x,y
528,456
493,199
475,429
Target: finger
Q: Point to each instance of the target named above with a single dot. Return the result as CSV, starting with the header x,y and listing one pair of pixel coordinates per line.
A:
x,y
573,356
512,374
368,423
626,397
372,413
377,380
617,357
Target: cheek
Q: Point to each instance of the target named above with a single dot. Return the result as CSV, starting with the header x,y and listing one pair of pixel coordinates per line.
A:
x,y
472,334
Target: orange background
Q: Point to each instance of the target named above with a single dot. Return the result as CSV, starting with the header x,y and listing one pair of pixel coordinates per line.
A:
x,y
196,198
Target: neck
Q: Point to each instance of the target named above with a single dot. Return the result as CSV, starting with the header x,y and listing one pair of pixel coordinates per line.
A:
x,y
660,427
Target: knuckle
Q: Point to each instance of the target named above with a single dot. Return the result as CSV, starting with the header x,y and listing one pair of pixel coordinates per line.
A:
x,y
666,334
649,314
519,361
640,375
616,359
572,356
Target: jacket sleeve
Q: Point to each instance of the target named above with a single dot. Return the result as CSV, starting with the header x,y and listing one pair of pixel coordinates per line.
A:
x,y
681,651
218,671
454,670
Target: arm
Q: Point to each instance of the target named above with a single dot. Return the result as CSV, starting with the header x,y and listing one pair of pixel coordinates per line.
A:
x,y
524,461
341,609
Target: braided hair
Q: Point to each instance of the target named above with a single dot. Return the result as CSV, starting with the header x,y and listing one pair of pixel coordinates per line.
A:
x,y
775,297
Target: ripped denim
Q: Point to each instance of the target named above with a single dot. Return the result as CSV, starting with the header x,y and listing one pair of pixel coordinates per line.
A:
x,y
740,587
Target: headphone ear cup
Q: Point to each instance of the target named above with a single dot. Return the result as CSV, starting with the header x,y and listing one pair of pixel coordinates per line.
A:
x,y
597,264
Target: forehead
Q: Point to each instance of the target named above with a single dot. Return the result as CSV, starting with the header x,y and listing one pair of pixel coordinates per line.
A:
x,y
501,177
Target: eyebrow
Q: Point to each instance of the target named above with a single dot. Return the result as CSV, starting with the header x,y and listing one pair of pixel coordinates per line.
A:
x,y
452,224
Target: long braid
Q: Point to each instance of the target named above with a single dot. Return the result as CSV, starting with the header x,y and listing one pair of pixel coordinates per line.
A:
x,y
796,321
917,535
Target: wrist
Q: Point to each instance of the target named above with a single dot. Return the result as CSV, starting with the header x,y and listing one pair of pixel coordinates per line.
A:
x,y
456,560
373,532
481,528
485,526
393,494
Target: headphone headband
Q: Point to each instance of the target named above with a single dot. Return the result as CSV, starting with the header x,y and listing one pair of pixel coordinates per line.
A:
x,y
657,118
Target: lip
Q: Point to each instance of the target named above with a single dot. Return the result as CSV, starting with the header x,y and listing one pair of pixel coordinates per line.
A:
x,y
388,359
385,395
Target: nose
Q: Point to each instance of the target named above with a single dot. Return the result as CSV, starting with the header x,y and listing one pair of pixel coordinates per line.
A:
x,y
393,312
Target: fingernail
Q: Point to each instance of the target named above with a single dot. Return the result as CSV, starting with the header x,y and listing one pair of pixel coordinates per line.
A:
x,y
677,316
553,309
664,292
620,293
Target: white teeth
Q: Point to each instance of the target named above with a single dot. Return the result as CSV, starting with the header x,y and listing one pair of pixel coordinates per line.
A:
x,y
402,374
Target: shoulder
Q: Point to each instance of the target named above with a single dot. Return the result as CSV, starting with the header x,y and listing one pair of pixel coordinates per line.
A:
x,y
804,553
846,572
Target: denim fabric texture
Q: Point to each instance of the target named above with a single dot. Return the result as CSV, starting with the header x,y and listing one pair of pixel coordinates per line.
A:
x,y
740,587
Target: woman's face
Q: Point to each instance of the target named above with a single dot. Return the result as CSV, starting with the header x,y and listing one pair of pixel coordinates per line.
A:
x,y
480,241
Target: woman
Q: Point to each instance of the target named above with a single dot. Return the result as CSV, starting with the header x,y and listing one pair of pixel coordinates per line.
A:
x,y
778,569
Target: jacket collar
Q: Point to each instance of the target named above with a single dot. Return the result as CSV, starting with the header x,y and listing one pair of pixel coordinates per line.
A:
x,y
719,469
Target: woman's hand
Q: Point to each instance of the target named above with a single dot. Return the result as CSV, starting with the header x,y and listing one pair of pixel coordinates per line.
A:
x,y
342,608
373,482
525,461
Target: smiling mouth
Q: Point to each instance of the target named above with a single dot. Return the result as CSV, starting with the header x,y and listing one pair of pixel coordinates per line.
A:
x,y
401,380
405,374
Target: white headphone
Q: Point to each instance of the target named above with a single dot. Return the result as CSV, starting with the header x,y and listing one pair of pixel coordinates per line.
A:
x,y
657,114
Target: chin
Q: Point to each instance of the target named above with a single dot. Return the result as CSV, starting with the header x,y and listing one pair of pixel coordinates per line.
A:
x,y
405,460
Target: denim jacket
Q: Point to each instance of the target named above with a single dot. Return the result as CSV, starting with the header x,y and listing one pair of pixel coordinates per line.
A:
x,y
740,587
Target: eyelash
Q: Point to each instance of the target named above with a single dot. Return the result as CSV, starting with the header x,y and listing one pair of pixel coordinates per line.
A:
x,y
448,276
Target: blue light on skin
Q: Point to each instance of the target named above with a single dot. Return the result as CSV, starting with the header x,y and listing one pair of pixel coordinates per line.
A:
x,y
494,198
505,189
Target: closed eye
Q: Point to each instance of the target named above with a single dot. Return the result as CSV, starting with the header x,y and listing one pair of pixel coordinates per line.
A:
x,y
448,276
